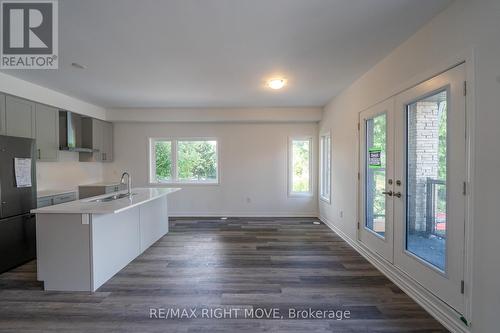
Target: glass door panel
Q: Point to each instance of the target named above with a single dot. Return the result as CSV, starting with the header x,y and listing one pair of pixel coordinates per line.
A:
x,y
375,148
426,179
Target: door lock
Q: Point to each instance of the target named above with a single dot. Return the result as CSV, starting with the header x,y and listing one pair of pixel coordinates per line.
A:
x,y
397,194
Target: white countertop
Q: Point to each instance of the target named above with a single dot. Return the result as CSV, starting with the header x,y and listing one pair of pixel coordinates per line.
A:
x,y
49,193
86,206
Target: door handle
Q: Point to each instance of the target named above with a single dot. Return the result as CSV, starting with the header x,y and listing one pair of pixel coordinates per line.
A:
x,y
397,194
388,193
39,154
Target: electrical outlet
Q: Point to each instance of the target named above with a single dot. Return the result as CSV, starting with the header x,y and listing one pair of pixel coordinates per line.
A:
x,y
248,200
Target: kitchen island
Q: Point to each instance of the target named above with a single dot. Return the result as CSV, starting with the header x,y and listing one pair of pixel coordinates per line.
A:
x,y
82,244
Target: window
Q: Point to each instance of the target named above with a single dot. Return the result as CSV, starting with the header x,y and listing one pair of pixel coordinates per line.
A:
x,y
163,161
183,161
325,167
300,166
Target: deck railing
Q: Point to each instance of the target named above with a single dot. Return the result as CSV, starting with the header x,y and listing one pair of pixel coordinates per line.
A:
x,y
435,225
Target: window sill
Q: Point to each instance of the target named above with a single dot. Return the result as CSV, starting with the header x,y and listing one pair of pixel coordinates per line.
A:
x,y
300,195
174,184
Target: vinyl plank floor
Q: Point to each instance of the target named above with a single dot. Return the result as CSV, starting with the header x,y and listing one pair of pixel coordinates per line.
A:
x,y
238,264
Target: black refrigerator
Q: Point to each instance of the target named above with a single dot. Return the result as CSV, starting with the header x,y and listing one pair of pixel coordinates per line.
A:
x,y
17,198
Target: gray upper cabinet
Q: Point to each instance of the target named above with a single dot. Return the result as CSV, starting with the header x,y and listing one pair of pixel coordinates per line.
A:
x,y
107,142
47,132
2,114
19,117
97,135
91,138
23,118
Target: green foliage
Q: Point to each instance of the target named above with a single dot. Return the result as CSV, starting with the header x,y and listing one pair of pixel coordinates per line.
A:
x,y
300,151
163,160
378,197
197,160
379,141
441,193
379,135
442,142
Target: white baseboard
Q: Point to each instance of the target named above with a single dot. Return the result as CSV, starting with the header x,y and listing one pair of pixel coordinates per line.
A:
x,y
236,214
433,305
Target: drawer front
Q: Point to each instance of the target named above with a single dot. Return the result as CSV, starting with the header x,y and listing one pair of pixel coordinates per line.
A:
x,y
66,197
44,202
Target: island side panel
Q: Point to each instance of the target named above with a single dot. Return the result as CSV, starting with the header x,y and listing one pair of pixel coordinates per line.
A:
x,y
154,221
63,251
115,243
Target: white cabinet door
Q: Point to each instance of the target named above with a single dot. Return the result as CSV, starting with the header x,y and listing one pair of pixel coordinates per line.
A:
x,y
154,222
115,243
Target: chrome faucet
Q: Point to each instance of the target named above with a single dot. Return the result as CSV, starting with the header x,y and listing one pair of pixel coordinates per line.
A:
x,y
129,182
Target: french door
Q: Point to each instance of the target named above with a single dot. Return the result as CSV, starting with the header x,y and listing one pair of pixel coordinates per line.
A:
x,y
424,184
377,161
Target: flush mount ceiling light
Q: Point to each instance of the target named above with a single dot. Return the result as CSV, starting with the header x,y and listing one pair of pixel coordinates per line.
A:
x,y
276,83
79,66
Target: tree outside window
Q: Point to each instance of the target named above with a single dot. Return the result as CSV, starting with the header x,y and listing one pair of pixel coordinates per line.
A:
x,y
184,161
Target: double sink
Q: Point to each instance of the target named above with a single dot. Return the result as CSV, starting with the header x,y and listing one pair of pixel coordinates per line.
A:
x,y
114,197
129,194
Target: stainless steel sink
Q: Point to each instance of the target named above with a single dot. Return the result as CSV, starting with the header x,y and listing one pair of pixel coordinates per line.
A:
x,y
114,197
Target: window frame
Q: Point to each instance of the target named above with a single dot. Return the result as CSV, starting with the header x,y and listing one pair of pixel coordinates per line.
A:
x,y
322,172
175,157
291,193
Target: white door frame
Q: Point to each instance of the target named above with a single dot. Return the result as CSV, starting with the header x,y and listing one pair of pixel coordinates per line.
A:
x,y
447,315
444,284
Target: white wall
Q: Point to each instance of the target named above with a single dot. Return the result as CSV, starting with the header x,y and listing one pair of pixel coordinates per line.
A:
x,y
216,114
464,26
67,173
253,164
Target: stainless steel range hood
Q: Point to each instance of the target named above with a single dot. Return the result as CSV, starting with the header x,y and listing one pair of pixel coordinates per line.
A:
x,y
70,132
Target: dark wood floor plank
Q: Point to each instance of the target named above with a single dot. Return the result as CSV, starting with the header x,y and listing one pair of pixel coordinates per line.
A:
x,y
238,263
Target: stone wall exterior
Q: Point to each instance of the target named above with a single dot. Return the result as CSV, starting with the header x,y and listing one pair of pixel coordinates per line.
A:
x,y
423,158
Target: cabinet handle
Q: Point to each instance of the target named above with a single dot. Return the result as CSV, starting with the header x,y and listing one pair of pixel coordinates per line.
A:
x,y
39,154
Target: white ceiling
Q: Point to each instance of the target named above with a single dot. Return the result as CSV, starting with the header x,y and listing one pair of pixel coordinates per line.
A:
x,y
218,53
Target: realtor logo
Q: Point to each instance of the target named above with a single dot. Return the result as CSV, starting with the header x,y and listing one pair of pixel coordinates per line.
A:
x,y
29,34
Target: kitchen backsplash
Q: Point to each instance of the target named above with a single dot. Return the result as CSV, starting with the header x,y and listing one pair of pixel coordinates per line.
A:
x,y
67,172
